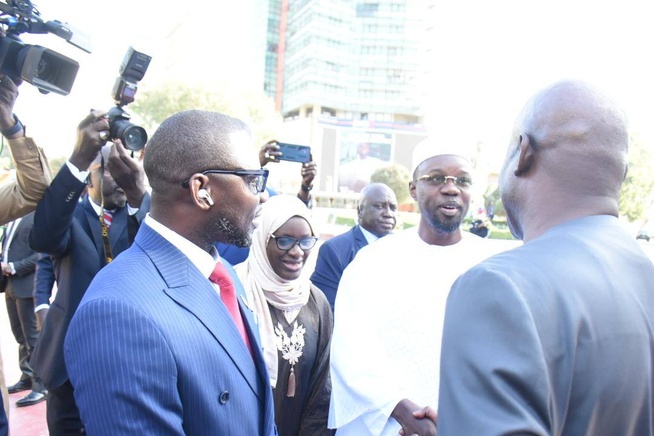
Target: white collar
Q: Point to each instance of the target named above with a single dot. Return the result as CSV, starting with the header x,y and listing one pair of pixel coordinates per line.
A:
x,y
202,260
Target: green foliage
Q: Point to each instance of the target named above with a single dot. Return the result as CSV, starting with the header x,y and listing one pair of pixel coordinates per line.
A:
x,y
345,221
255,108
638,187
500,233
56,163
397,177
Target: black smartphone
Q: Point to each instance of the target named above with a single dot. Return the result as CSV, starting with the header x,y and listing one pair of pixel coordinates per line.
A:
x,y
294,152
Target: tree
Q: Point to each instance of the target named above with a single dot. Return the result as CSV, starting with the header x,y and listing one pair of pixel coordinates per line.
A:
x,y
397,177
637,191
253,107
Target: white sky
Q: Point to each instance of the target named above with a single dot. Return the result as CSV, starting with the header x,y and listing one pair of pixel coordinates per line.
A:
x,y
489,58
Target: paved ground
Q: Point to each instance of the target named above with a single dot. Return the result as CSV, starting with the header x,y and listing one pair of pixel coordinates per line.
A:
x,y
30,421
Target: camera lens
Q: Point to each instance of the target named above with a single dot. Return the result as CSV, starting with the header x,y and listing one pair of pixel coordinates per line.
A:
x,y
134,137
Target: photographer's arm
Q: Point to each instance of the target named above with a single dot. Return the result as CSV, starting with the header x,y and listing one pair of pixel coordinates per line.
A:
x,y
19,197
54,214
308,172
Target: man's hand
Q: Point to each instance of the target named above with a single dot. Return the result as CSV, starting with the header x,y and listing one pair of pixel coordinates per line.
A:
x,y
6,271
40,318
414,423
308,172
128,173
269,152
89,143
8,95
425,412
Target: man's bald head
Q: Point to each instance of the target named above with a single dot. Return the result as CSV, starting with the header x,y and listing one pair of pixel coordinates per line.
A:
x,y
568,152
377,209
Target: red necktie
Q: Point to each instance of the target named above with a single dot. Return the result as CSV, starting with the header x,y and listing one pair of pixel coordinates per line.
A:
x,y
221,277
108,217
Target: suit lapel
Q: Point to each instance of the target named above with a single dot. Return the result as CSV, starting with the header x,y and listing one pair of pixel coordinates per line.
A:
x,y
360,239
92,224
195,293
118,229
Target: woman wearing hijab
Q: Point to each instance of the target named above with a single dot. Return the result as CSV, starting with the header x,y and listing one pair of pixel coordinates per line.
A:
x,y
294,317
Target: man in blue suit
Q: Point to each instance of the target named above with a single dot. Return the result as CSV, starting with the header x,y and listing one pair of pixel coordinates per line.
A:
x,y
155,347
376,211
74,235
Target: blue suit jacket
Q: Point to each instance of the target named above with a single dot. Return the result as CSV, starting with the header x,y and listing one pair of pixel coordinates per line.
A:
x,y
153,350
334,255
70,232
44,280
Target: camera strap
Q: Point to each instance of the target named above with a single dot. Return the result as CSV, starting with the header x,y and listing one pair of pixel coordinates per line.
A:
x,y
105,238
104,229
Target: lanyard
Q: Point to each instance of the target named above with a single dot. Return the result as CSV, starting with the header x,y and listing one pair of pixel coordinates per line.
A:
x,y
105,237
105,230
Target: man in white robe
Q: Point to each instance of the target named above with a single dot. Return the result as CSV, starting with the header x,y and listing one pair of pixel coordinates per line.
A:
x,y
385,350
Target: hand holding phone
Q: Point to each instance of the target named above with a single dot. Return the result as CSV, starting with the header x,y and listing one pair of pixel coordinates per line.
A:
x,y
294,152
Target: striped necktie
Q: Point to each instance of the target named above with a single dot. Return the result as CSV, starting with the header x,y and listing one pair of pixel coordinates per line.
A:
x,y
108,217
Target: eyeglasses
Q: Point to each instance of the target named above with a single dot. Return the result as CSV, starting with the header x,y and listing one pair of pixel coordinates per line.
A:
x,y
462,182
286,242
255,179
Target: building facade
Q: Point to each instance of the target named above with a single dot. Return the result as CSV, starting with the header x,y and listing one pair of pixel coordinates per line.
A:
x,y
346,76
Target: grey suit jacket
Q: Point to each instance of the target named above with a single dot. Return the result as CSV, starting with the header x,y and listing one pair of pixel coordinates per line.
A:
x,y
555,337
153,350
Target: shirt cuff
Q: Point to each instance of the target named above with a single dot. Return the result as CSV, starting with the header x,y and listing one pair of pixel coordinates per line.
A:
x,y
41,307
12,270
79,175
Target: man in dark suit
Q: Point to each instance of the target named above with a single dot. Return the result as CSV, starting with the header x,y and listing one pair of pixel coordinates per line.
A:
x,y
162,342
72,233
376,211
18,264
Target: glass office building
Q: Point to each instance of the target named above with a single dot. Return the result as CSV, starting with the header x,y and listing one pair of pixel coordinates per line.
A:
x,y
344,73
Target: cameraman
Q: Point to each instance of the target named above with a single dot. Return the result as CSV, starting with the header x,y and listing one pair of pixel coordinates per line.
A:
x,y
19,197
73,233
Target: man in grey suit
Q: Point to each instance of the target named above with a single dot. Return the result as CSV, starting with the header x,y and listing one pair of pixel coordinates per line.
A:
x,y
556,337
162,342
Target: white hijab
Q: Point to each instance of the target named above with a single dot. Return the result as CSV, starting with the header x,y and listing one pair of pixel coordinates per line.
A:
x,y
262,285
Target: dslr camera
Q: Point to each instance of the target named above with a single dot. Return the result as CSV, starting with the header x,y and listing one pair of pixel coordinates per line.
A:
x,y
46,69
131,70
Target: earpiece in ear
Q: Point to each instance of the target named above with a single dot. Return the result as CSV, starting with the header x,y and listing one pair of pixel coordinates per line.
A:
x,y
202,193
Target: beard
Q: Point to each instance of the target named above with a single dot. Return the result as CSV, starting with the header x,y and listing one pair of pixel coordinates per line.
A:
x,y
450,225
231,233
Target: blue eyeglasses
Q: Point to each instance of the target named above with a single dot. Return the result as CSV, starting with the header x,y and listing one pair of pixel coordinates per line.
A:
x,y
285,243
462,182
255,179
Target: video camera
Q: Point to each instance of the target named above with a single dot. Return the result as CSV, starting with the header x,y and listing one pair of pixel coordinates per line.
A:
x,y
47,70
131,70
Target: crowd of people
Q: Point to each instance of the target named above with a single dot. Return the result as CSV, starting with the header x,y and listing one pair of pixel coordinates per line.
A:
x,y
189,299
